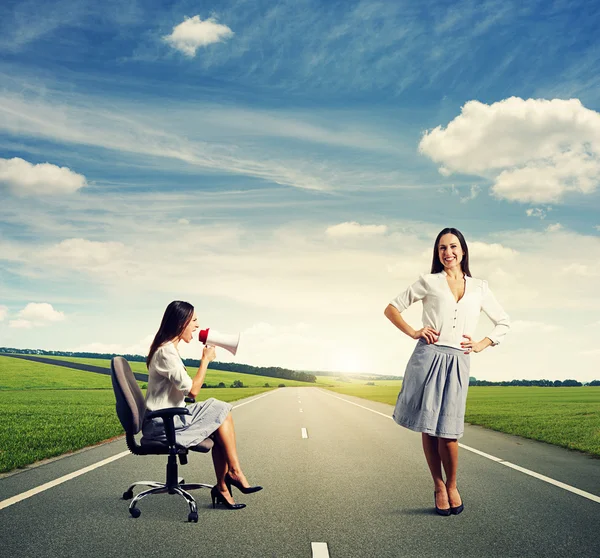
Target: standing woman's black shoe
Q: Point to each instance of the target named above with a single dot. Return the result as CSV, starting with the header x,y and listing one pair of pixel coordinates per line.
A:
x,y
440,511
218,498
458,509
243,489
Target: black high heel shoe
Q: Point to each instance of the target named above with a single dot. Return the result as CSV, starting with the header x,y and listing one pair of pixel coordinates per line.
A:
x,y
440,511
243,489
457,509
218,498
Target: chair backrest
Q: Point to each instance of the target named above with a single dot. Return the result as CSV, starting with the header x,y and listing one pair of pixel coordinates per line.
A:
x,y
130,404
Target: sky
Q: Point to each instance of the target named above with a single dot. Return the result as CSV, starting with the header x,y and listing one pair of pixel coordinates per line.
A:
x,y
285,166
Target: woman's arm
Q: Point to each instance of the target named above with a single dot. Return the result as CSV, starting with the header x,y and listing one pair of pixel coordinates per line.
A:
x,y
208,355
394,316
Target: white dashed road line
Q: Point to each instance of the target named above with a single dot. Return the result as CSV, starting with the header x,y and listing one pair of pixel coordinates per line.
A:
x,y
319,550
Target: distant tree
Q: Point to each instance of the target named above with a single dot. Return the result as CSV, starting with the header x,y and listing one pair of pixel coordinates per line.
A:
x,y
281,385
594,383
237,384
204,385
370,383
557,383
267,384
221,385
571,383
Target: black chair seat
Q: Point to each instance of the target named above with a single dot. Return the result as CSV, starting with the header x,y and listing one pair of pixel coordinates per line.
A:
x,y
153,447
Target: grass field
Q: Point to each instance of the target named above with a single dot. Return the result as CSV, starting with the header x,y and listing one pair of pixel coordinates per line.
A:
x,y
564,416
213,377
47,410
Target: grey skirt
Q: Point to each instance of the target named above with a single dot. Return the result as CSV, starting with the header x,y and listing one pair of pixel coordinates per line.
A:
x,y
434,391
204,418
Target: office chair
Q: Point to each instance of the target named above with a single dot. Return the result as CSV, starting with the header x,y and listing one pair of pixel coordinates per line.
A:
x,y
131,408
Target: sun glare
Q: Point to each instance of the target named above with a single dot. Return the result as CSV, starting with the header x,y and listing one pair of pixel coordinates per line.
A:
x,y
347,362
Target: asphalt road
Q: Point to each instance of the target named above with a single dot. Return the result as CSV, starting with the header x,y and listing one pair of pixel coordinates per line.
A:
x,y
357,482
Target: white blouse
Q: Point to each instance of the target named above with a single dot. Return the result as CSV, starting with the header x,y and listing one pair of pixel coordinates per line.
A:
x,y
168,380
450,318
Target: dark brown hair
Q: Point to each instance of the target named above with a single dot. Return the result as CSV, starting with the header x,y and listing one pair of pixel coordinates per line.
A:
x,y
175,319
436,264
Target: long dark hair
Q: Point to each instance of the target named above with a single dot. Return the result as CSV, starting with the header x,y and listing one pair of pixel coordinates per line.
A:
x,y
436,264
175,319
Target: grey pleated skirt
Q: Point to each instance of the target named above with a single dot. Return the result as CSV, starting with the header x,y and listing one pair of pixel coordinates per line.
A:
x,y
434,391
204,418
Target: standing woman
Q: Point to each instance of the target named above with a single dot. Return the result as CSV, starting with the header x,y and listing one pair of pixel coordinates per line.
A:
x,y
434,390
169,383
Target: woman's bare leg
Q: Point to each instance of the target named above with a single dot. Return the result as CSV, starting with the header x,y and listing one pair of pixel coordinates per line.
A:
x,y
448,451
434,460
226,436
221,468
220,465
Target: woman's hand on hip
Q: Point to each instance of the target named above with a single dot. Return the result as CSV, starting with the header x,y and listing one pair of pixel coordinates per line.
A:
x,y
428,333
208,353
472,346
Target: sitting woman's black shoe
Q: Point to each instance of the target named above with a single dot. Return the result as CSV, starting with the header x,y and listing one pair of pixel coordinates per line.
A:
x,y
218,498
243,489
440,511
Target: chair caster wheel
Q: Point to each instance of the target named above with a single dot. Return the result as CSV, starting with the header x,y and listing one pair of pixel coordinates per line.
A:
x,y
128,495
135,512
193,516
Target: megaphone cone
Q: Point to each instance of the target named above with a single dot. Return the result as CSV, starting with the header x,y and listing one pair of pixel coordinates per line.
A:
x,y
229,341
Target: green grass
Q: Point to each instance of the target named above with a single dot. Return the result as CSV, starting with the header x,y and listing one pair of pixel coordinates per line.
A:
x,y
568,417
46,410
213,376
17,374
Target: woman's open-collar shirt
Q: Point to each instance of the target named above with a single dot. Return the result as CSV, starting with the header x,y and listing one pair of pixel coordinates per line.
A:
x,y
450,318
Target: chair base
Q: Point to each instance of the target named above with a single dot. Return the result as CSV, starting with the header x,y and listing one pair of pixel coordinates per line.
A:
x,y
162,488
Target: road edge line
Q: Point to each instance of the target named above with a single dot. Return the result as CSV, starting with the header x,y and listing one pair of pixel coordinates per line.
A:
x,y
50,484
539,476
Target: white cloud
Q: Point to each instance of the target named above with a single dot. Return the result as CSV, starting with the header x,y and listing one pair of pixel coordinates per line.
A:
x,y
537,212
582,270
37,314
25,179
554,228
354,229
3,312
534,150
20,324
473,194
193,33
597,227
83,254
524,326
494,251
140,347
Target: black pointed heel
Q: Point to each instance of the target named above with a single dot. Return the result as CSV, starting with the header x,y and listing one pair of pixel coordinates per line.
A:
x,y
243,489
440,511
457,509
218,498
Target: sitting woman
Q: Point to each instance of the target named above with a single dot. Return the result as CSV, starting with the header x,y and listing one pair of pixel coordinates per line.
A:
x,y
169,383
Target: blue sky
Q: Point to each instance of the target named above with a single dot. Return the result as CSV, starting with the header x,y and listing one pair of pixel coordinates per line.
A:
x,y
286,166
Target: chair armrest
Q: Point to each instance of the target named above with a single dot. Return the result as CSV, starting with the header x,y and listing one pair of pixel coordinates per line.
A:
x,y
168,412
167,416
190,399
